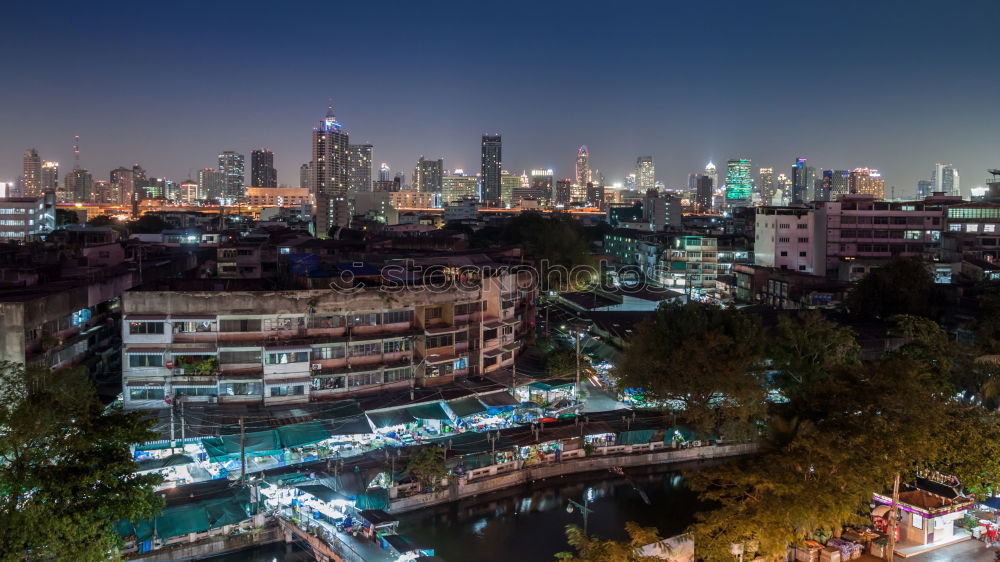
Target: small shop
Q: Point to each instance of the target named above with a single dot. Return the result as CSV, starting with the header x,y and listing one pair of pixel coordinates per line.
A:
x,y
472,414
929,510
547,393
410,425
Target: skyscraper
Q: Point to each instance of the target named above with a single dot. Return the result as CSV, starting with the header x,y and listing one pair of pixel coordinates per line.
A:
x,y
542,184
123,182
232,167
210,183
79,187
427,175
645,175
824,187
739,182
712,173
456,186
262,172
304,175
944,176
508,183
329,164
866,181
491,162
803,178
704,193
765,185
32,173
359,168
925,188
839,184
562,196
50,176
384,173
583,174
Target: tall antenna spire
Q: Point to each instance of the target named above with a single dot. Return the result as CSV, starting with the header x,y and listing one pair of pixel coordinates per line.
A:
x,y
76,152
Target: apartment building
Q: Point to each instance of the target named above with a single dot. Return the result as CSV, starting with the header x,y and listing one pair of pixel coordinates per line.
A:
x,y
25,218
300,346
784,238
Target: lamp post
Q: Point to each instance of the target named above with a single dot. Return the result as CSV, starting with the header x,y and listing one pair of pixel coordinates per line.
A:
x,y
584,509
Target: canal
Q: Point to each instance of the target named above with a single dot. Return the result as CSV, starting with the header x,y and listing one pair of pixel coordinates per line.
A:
x,y
528,523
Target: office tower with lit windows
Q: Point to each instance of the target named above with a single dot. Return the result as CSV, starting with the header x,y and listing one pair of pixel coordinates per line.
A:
x,y
104,193
491,162
645,173
803,178
304,175
583,173
50,176
563,191
262,172
232,168
210,183
704,193
711,172
359,168
456,186
508,183
946,180
542,183
427,175
123,181
765,185
839,184
629,183
739,182
32,173
925,188
866,181
329,164
824,187
384,173
78,187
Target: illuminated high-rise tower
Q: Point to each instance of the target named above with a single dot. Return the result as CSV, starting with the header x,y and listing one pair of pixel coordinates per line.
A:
x,y
233,169
32,173
866,181
123,184
944,176
50,176
739,182
766,185
329,174
645,175
583,174
803,179
491,161
384,173
712,173
359,168
427,175
262,172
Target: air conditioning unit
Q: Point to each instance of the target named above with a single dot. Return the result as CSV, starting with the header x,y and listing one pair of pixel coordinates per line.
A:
x,y
317,366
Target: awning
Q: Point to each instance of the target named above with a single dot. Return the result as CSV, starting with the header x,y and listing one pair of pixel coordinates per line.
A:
x,y
376,498
192,317
993,502
552,385
299,434
156,464
378,517
634,437
498,399
145,349
389,418
357,425
257,444
401,544
321,492
432,411
468,406
132,317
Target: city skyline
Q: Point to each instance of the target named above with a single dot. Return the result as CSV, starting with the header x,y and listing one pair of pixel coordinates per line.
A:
x,y
884,125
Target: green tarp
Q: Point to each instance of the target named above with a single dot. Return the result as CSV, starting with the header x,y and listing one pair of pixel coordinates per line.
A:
x,y
373,499
634,437
498,399
142,531
552,385
321,492
192,518
468,406
432,411
227,447
357,425
172,460
679,434
299,434
389,418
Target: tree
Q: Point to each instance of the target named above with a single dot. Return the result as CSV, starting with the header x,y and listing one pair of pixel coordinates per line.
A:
x,y
64,217
593,549
857,428
426,466
702,359
148,224
902,286
68,475
559,247
560,363
806,346
102,220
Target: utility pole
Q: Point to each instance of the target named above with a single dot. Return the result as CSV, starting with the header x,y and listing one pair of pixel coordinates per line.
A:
x,y
182,424
243,451
893,518
577,331
584,510
172,441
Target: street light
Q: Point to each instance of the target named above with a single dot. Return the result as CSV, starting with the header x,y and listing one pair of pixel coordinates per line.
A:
x,y
584,509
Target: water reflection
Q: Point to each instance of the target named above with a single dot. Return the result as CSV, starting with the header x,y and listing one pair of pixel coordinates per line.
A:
x,y
527,524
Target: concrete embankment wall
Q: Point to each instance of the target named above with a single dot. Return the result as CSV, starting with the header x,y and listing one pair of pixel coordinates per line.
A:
x,y
214,545
498,477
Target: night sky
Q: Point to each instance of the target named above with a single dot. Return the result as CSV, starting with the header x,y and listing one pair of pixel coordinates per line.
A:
x,y
893,85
